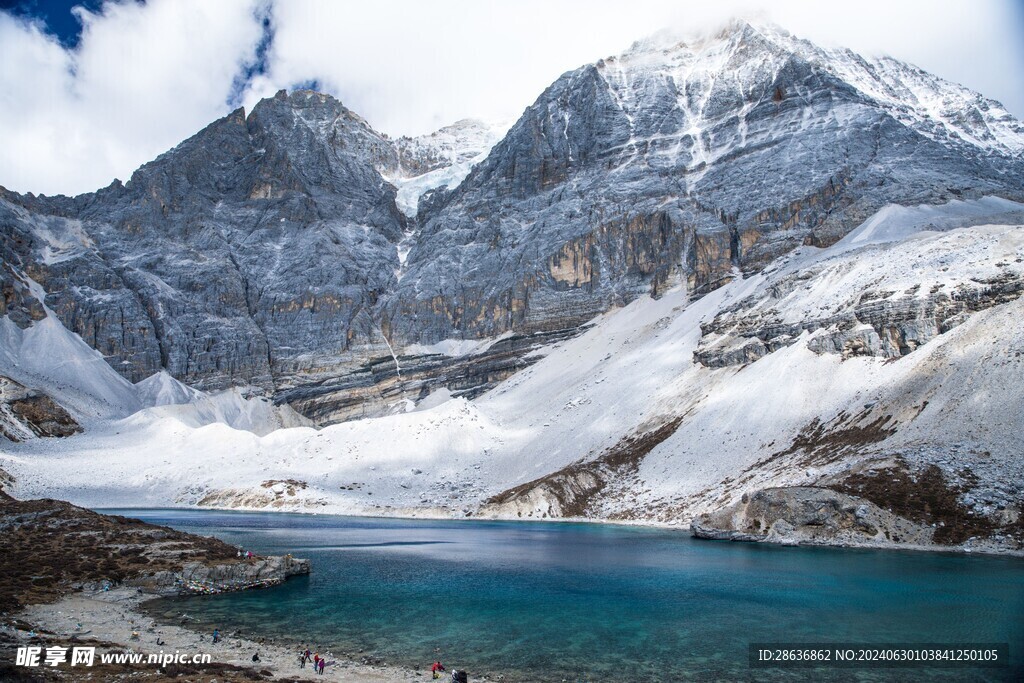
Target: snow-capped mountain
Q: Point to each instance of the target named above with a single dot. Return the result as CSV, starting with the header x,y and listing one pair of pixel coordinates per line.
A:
x,y
682,162
676,275
743,55
462,141
441,159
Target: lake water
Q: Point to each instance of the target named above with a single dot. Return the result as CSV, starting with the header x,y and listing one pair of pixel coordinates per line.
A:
x,y
590,602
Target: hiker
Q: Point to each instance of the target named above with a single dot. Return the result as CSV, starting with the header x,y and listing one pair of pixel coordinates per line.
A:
x,y
216,636
256,657
323,663
437,669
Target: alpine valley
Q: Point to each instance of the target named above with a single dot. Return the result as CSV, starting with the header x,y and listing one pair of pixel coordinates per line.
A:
x,y
742,282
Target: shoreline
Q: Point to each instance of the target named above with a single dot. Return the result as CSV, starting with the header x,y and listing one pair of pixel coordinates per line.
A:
x,y
662,526
112,616
74,577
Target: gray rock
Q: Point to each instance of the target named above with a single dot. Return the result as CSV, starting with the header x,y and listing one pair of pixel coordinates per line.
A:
x,y
875,324
809,515
196,577
27,413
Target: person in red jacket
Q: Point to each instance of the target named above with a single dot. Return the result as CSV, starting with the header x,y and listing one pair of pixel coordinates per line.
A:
x,y
437,669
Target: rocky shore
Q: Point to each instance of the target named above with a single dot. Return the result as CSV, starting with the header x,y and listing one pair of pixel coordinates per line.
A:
x,y
112,622
812,515
71,577
54,548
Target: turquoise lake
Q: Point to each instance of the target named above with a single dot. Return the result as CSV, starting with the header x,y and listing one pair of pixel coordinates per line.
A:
x,y
590,602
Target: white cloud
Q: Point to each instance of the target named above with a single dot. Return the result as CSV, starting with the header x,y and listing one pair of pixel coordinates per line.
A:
x,y
148,76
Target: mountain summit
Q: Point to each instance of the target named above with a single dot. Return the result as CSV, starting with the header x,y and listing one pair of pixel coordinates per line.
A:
x,y
680,162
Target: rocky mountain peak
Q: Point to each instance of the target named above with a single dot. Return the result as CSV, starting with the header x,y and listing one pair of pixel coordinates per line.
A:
x,y
288,248
734,32
750,54
466,140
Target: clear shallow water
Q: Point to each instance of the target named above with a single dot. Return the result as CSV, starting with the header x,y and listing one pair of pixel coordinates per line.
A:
x,y
554,601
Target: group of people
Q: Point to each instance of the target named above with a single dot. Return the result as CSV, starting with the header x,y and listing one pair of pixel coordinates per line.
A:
x,y
309,656
438,667
320,663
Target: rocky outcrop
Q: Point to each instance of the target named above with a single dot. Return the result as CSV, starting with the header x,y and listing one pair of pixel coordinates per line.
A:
x,y
812,516
26,414
52,547
17,302
261,572
272,494
871,322
389,383
875,503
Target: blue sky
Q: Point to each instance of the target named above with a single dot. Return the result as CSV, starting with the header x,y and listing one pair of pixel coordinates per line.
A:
x,y
91,89
57,15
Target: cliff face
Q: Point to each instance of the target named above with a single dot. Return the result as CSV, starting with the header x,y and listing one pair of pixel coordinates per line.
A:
x,y
253,250
684,163
270,249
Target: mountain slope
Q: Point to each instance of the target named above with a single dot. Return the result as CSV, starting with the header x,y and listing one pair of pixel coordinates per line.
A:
x,y
441,159
625,422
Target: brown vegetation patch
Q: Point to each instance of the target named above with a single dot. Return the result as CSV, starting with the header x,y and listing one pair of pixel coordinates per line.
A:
x,y
826,442
51,547
926,497
576,486
292,486
44,417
